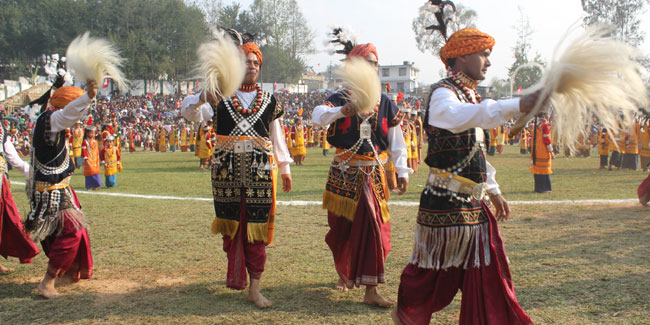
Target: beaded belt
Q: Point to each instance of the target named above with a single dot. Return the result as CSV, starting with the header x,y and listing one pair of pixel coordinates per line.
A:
x,y
41,186
242,144
457,184
359,163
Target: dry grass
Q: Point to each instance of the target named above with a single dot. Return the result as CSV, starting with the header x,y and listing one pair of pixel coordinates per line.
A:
x,y
157,262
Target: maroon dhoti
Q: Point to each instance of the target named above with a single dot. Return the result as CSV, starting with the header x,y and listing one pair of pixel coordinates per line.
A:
x,y
360,247
69,251
13,240
644,191
243,255
488,294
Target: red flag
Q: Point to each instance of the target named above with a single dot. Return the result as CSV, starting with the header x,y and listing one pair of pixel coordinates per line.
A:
x,y
519,90
106,83
275,85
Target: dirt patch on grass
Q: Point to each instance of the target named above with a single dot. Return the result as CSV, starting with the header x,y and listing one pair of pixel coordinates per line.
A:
x,y
166,281
109,291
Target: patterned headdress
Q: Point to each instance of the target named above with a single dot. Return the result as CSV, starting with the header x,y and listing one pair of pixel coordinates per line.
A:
x,y
65,95
363,50
251,47
465,41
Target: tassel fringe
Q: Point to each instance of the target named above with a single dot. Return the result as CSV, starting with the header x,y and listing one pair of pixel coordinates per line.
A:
x,y
54,225
254,231
339,205
444,247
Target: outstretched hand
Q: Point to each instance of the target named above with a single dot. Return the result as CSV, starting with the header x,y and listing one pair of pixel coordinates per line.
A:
x,y
92,88
213,99
349,109
527,102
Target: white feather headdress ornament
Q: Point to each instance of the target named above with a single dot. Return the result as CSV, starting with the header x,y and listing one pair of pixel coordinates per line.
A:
x,y
221,66
596,76
362,82
93,58
343,36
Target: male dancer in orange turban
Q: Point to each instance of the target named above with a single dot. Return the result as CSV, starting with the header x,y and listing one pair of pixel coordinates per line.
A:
x,y
249,148
356,194
457,241
56,217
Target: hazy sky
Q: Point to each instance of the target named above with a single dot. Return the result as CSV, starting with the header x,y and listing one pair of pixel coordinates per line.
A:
x,y
387,24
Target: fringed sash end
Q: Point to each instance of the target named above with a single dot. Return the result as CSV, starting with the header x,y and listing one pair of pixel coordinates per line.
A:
x,y
444,247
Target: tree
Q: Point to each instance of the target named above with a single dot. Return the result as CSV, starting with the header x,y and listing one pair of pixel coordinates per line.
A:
x,y
211,10
282,33
432,41
299,40
623,15
155,37
526,76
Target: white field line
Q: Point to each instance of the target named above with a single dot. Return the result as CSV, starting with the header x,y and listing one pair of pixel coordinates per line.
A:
x,y
303,203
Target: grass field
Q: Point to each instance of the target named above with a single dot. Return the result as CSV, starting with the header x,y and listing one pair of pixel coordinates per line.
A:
x,y
157,262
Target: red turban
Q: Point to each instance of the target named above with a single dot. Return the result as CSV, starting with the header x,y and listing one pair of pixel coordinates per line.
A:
x,y
251,47
65,95
363,50
465,41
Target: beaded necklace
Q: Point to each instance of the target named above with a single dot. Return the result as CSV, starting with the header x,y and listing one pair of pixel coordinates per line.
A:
x,y
467,84
256,105
248,88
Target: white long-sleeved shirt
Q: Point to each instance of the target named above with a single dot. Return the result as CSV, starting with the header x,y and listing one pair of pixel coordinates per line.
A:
x,y
324,115
11,155
449,113
193,110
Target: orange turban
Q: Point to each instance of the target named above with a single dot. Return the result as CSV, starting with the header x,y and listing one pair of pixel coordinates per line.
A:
x,y
363,50
251,47
465,41
65,95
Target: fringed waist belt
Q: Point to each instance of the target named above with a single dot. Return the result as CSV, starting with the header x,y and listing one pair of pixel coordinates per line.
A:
x,y
349,173
41,186
50,205
455,184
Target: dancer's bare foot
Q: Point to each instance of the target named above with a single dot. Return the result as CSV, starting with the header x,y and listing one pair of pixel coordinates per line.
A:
x,y
46,288
66,279
340,286
255,296
5,269
395,318
372,297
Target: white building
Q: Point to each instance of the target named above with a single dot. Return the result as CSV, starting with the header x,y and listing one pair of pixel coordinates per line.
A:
x,y
403,77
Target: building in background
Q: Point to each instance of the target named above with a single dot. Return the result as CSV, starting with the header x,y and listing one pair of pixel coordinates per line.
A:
x,y
402,78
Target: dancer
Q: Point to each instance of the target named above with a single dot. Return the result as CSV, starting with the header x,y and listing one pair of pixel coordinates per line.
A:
x,y
457,241
56,218
356,195
13,239
249,149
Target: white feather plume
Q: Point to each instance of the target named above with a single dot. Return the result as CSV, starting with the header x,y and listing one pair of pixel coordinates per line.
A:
x,y
93,58
596,76
362,82
221,66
